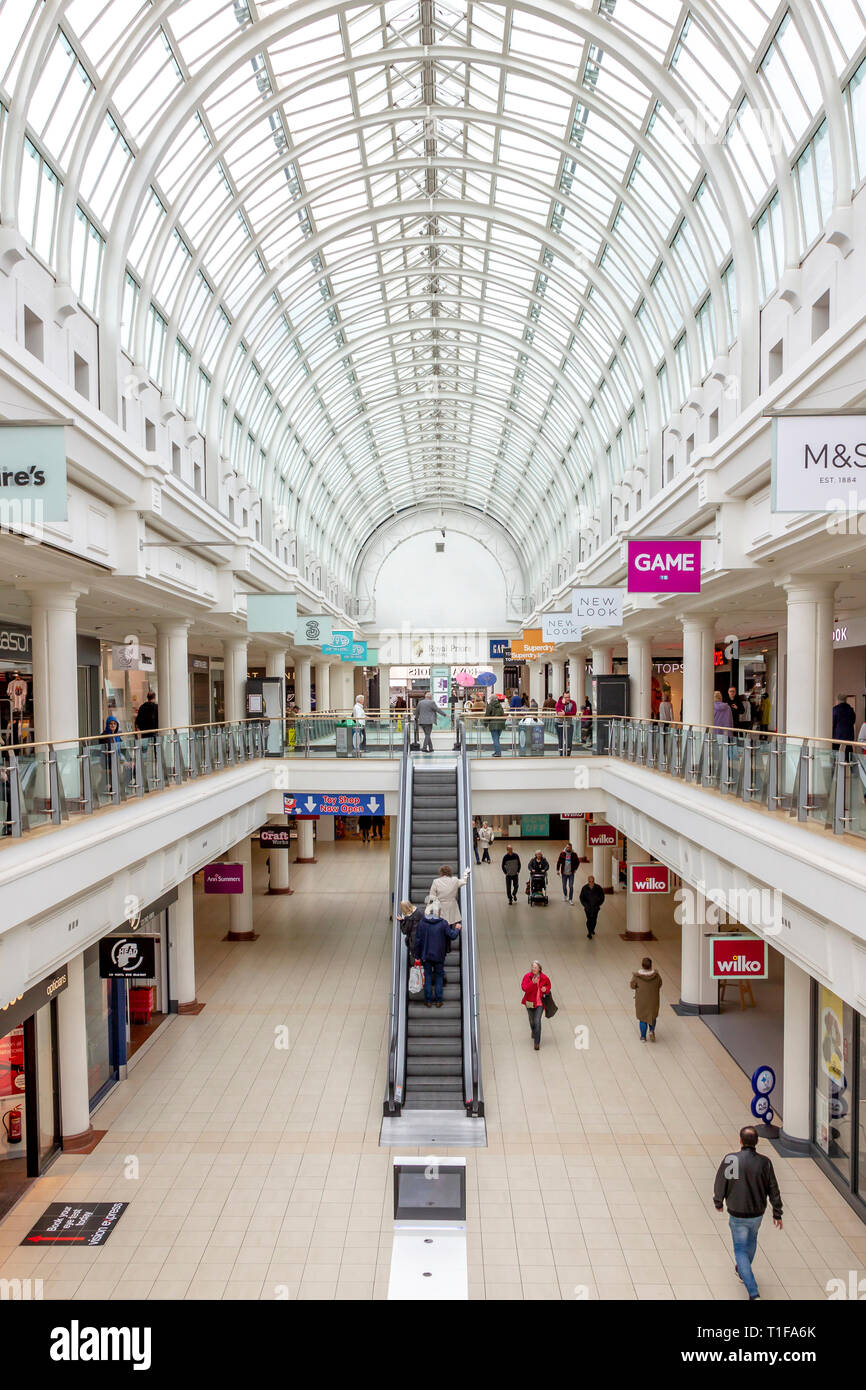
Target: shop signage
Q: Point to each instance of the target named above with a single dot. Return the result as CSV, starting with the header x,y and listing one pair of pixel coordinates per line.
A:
x,y
500,648
763,1084
334,804
560,627
272,613
850,633
440,685
133,657
313,629
598,607
738,957
199,663
664,567
572,815
649,878
275,837
598,835
531,644
223,878
16,641
32,472
14,1011
342,641
357,652
818,463
64,1224
127,958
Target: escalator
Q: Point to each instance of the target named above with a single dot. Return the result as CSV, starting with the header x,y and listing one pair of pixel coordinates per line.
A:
x,y
434,1071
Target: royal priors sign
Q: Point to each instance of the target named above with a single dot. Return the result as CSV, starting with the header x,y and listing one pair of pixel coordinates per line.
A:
x,y
597,607
664,567
819,463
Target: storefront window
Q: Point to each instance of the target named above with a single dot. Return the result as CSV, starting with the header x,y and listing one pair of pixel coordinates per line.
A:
x,y
834,1081
46,1077
125,688
861,1115
101,1068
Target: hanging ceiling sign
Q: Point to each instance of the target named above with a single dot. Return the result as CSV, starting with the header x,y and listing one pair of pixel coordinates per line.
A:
x,y
531,644
127,958
598,607
664,567
32,472
341,641
649,878
738,957
560,627
600,835
272,613
818,463
314,629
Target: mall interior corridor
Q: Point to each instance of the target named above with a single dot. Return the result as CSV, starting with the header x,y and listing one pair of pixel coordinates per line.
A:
x,y
250,1156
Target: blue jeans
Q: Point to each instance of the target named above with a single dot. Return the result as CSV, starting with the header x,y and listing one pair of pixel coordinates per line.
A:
x,y
568,886
744,1234
433,971
496,735
643,1027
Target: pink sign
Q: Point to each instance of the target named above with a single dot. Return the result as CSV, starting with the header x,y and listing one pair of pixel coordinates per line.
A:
x,y
600,835
664,567
223,878
650,878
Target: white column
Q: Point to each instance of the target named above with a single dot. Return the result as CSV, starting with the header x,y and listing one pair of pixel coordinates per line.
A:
x,y
325,830
235,656
810,659
348,685
278,872
182,945
172,674
384,688
613,857
698,672
323,687
576,685
640,676
306,843
637,905
72,1037
796,1072
698,993
536,682
602,661
557,676
276,666
578,839
302,683
241,904
55,662
601,866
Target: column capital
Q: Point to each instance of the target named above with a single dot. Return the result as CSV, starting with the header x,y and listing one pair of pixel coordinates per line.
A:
x,y
697,622
808,588
64,596
173,627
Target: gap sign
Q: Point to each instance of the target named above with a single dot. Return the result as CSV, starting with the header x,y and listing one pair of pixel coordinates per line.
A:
x,y
334,804
649,878
600,835
738,958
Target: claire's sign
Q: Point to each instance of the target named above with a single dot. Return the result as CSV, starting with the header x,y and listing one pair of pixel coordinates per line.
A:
x,y
649,878
664,567
223,878
600,835
738,958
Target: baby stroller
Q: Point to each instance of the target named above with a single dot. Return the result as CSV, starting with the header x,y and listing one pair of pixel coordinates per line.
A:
x,y
536,888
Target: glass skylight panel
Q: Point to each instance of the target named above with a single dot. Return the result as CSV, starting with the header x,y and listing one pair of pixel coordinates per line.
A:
x,y
686,252
654,197
651,24
106,166
148,88
60,98
17,18
636,236
719,235
844,23
857,115
102,25
672,135
619,85
708,77
815,184
37,204
201,28
746,145
791,77
86,259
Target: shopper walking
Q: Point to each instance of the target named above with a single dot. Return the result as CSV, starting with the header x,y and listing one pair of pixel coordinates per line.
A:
x,y
495,720
566,709
147,717
586,721
592,901
722,717
666,709
745,1181
359,714
843,721
486,836
427,713
431,944
445,889
511,870
647,986
364,826
535,986
566,867
378,826
475,840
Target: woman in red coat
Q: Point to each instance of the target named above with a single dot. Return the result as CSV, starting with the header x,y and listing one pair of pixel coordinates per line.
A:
x,y
535,985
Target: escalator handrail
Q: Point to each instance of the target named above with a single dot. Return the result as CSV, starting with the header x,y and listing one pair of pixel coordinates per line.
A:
x,y
395,1090
472,1090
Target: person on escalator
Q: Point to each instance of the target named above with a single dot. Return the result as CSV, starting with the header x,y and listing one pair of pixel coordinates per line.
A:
x,y
410,917
431,943
444,891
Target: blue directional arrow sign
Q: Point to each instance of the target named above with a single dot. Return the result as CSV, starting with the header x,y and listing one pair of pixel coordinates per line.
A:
x,y
334,804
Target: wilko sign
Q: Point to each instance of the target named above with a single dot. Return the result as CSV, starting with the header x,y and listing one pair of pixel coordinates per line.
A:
x,y
738,958
572,815
649,878
223,878
664,567
599,835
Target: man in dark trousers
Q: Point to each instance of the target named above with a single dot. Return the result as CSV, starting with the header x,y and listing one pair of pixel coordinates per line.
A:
x,y
745,1180
843,722
591,900
511,870
431,939
147,718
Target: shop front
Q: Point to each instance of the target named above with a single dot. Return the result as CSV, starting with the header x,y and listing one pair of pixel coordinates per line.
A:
x,y
839,1092
849,664
29,1086
128,674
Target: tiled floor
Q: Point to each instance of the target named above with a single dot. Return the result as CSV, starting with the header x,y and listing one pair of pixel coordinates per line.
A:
x,y
246,1138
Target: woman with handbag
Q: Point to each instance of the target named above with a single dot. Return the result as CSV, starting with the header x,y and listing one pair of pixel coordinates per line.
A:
x,y
536,990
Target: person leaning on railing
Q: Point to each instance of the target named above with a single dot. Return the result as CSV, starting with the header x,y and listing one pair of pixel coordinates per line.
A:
x,y
495,719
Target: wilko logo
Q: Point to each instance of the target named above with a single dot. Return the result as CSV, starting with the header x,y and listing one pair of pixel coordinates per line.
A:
x,y
664,567
738,958
649,878
600,835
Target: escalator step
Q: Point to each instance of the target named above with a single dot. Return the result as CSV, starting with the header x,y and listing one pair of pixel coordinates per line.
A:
x,y
431,1068
447,1101
434,1047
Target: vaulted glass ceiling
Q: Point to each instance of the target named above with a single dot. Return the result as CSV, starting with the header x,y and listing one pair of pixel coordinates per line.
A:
x,y
428,250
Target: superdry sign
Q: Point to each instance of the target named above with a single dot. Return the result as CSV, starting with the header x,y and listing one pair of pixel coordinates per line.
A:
x,y
738,958
664,567
599,835
649,878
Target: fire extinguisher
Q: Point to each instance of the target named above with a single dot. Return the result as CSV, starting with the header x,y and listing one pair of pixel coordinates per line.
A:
x,y
12,1125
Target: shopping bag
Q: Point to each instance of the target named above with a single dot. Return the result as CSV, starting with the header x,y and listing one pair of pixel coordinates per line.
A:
x,y
416,979
549,1007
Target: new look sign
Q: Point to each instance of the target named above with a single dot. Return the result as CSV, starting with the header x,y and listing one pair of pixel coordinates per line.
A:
x,y
819,463
597,607
664,567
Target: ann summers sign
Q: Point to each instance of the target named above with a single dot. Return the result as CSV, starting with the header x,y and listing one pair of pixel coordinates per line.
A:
x,y
819,463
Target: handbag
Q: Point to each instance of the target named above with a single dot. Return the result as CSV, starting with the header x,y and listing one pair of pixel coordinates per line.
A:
x,y
416,979
549,1007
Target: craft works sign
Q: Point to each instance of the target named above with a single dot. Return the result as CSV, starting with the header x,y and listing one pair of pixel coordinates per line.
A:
x,y
223,878
334,804
275,836
598,835
819,463
664,567
649,878
89,1224
532,644
738,958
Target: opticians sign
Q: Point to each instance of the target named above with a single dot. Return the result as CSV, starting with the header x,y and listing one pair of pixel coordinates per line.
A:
x,y
664,567
649,878
738,958
597,607
818,463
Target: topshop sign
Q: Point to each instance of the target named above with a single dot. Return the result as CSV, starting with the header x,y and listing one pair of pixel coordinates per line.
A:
x,y
818,463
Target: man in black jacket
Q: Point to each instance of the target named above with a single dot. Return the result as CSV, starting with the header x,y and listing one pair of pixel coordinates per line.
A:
x,y
745,1180
431,938
511,870
147,718
591,900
